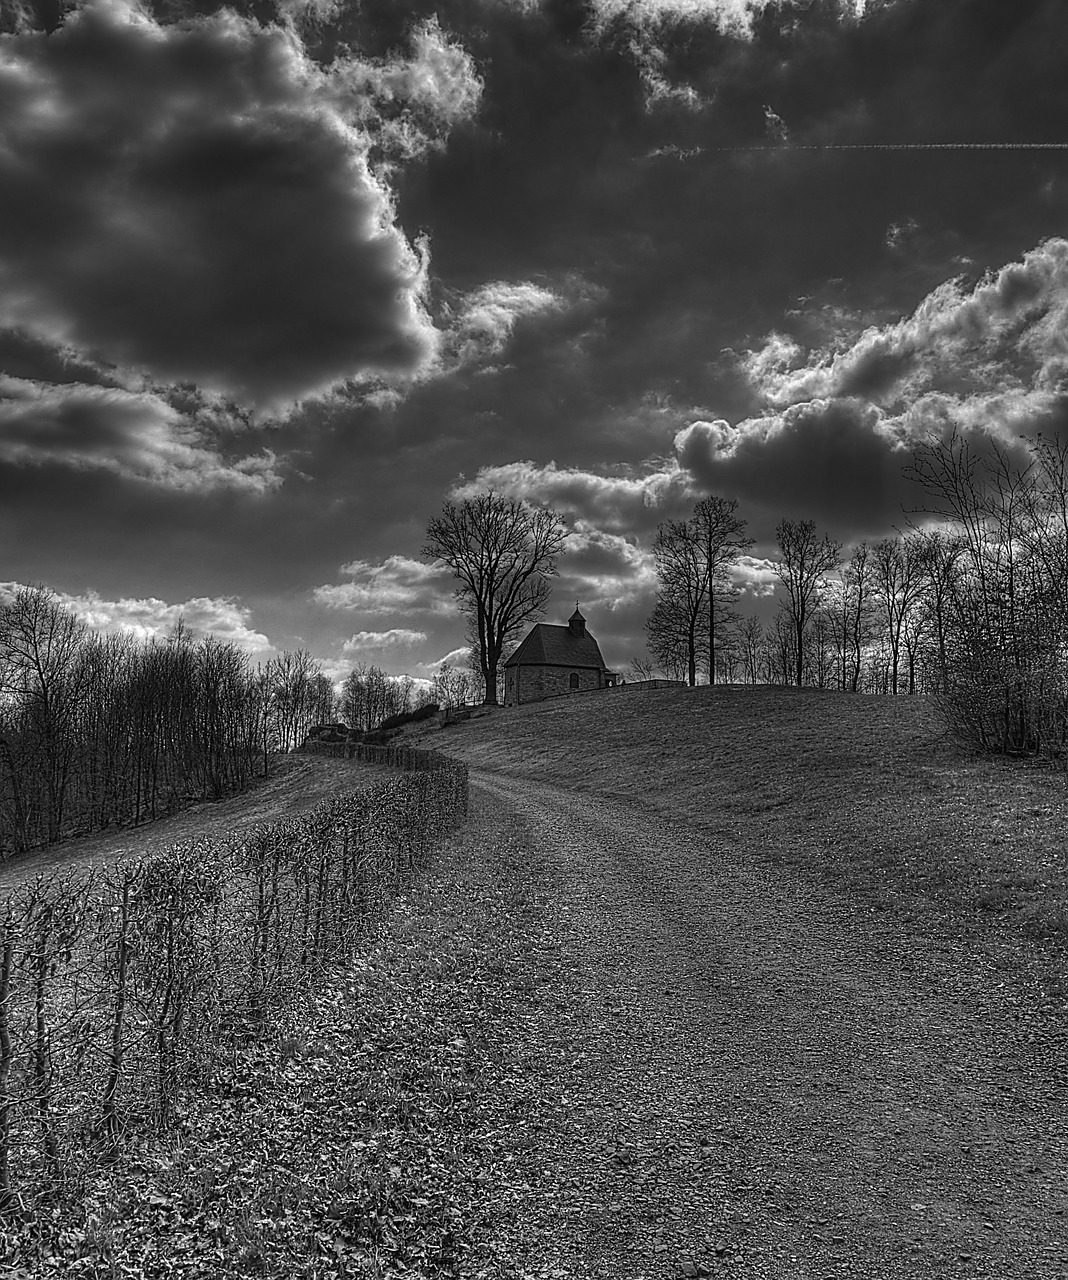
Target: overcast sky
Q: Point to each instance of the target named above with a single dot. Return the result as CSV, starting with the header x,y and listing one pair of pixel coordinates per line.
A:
x,y
275,282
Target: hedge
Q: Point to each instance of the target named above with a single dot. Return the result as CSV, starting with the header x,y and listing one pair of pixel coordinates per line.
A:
x,y
121,989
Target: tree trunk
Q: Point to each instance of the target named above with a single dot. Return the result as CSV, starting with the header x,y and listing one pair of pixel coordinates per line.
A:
x,y
799,636
691,653
711,634
490,699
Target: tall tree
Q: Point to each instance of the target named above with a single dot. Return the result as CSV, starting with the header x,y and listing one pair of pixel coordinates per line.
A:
x,y
898,577
675,623
805,558
502,553
940,556
722,536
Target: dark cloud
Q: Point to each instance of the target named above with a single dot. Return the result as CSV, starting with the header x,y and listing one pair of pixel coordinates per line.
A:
x,y
829,460
138,436
629,243
195,201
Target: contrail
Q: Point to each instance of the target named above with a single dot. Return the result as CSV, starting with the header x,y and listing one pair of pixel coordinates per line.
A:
x,y
903,146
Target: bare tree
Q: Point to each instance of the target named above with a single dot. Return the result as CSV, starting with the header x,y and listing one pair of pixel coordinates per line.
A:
x,y
897,570
451,686
503,553
751,640
721,534
940,558
805,560
100,730
1004,673
674,627
672,635
41,640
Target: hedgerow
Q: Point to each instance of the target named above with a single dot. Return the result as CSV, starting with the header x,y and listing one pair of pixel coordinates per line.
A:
x,y
123,988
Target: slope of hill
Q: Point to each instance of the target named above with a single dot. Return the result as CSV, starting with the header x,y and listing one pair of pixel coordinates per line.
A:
x,y
297,783
867,792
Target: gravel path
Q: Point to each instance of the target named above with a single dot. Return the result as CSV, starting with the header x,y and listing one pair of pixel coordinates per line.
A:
x,y
743,1074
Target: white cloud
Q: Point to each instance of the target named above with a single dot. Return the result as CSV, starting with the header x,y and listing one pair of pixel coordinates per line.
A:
x,y
604,570
136,435
149,618
755,576
395,637
734,16
409,106
616,503
486,319
397,585
455,658
1007,330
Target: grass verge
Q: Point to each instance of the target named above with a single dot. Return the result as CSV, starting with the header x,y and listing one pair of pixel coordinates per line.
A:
x,y
383,1130
869,793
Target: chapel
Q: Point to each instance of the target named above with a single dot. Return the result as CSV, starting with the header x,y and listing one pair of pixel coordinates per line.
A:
x,y
553,661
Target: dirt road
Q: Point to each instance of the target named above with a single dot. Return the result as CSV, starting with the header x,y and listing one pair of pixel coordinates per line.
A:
x,y
760,1078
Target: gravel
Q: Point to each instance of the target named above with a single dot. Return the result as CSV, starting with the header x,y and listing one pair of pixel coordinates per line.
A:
x,y
729,1070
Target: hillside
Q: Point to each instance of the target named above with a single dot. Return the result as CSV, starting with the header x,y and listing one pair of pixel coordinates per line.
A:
x,y
868,793
297,783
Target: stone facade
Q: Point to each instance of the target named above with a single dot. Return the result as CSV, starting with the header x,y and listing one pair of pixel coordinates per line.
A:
x,y
532,684
554,661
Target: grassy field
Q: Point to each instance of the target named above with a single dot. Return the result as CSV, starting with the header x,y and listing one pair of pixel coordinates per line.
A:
x,y
397,1124
869,793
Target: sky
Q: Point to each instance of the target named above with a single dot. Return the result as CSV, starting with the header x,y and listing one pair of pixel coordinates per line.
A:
x,y
277,280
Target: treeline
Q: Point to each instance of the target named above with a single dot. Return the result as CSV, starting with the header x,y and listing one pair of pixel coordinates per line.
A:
x,y
970,607
369,696
100,730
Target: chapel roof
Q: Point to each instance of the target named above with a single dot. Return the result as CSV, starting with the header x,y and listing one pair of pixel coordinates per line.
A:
x,y
550,646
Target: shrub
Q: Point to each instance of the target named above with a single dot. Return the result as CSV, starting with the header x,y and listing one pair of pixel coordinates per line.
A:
x,y
410,717
122,988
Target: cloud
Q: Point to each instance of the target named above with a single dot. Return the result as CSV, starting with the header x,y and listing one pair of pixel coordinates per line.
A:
x,y
604,570
487,317
1011,325
775,125
138,436
455,658
755,576
395,637
397,585
835,459
841,422
734,16
410,106
615,503
198,201
146,619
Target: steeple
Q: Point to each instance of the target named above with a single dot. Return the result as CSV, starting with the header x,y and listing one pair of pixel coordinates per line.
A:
x,y
576,624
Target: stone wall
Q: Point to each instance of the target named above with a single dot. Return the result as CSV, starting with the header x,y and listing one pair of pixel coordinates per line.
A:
x,y
532,684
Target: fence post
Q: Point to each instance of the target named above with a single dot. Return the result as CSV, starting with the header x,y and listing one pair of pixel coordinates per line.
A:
x,y
109,1119
5,1064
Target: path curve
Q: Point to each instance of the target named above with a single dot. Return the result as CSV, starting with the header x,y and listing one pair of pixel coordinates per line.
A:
x,y
814,1088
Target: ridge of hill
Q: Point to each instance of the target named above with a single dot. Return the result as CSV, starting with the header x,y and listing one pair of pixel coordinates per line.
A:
x,y
869,793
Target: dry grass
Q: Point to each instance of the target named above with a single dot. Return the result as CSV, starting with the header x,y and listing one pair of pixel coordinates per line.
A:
x,y
869,793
